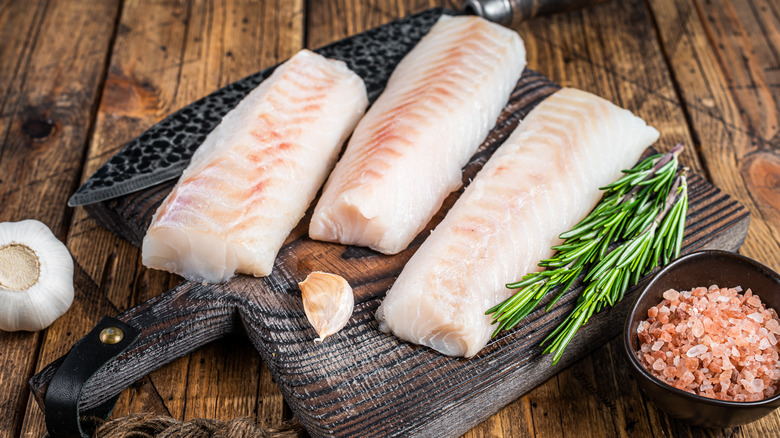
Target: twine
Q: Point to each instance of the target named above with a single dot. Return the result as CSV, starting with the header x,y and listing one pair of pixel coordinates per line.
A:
x,y
160,426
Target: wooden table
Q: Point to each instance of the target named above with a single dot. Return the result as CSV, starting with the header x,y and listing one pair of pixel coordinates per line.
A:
x,y
80,78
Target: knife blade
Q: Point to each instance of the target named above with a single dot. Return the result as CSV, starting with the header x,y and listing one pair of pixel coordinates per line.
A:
x,y
164,150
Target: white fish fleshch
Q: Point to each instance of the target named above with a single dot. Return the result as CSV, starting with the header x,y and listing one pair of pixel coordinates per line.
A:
x,y
538,184
407,153
252,179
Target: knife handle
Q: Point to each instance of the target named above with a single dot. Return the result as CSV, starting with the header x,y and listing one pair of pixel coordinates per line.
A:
x,y
511,12
166,327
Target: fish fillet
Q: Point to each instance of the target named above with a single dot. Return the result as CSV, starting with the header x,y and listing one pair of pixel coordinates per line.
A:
x,y
538,184
406,154
252,179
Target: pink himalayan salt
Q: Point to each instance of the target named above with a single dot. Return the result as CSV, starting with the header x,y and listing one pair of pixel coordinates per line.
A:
x,y
773,326
714,342
696,350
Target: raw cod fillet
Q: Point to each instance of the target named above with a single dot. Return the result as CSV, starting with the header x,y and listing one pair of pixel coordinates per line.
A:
x,y
252,179
542,181
406,154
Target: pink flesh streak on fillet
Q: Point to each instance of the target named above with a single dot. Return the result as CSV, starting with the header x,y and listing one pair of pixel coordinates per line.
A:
x,y
406,154
538,184
252,179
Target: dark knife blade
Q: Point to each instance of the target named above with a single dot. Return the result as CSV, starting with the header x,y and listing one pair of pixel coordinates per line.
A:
x,y
164,150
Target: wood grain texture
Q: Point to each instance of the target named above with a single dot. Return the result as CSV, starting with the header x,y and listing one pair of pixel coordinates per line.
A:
x,y
734,112
48,90
708,97
333,20
724,58
165,55
361,376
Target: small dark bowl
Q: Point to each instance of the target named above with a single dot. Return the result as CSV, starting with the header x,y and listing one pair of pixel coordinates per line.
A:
x,y
703,268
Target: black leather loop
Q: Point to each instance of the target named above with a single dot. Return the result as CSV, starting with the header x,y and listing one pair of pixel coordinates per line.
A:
x,y
87,357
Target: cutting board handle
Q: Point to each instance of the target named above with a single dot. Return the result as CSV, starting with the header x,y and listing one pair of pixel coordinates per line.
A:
x,y
170,326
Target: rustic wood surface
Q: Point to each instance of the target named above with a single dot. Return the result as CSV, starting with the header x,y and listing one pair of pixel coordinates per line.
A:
x,y
79,79
374,376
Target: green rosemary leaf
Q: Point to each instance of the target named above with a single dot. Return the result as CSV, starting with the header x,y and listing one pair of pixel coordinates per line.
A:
x,y
570,256
605,264
582,228
681,220
527,279
624,285
631,251
564,287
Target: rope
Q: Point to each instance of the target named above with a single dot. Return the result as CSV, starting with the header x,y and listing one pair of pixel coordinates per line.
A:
x,y
160,426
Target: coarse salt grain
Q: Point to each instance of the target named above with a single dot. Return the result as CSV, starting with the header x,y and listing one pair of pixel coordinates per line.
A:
x,y
727,341
773,326
698,328
696,350
671,295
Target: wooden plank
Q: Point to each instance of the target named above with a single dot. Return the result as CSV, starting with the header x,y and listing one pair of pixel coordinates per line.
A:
x,y
19,27
740,90
724,56
270,403
229,372
48,90
545,407
167,54
332,20
48,109
14,61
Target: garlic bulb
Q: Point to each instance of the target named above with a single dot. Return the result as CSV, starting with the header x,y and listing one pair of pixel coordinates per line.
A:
x,y
36,276
327,301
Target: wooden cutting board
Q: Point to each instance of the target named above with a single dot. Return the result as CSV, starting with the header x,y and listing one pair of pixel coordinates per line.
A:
x,y
361,382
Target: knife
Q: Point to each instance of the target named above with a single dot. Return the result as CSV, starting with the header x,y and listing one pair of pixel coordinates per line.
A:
x,y
164,150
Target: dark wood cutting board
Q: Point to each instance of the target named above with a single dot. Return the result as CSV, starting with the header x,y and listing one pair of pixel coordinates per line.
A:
x,y
361,382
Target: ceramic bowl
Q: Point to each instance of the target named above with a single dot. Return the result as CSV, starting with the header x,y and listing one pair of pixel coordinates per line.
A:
x,y
703,268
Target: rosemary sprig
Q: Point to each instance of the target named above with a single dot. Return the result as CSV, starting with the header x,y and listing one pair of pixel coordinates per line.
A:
x,y
638,224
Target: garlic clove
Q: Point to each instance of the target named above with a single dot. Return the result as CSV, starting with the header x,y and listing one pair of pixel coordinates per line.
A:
x,y
327,302
36,276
